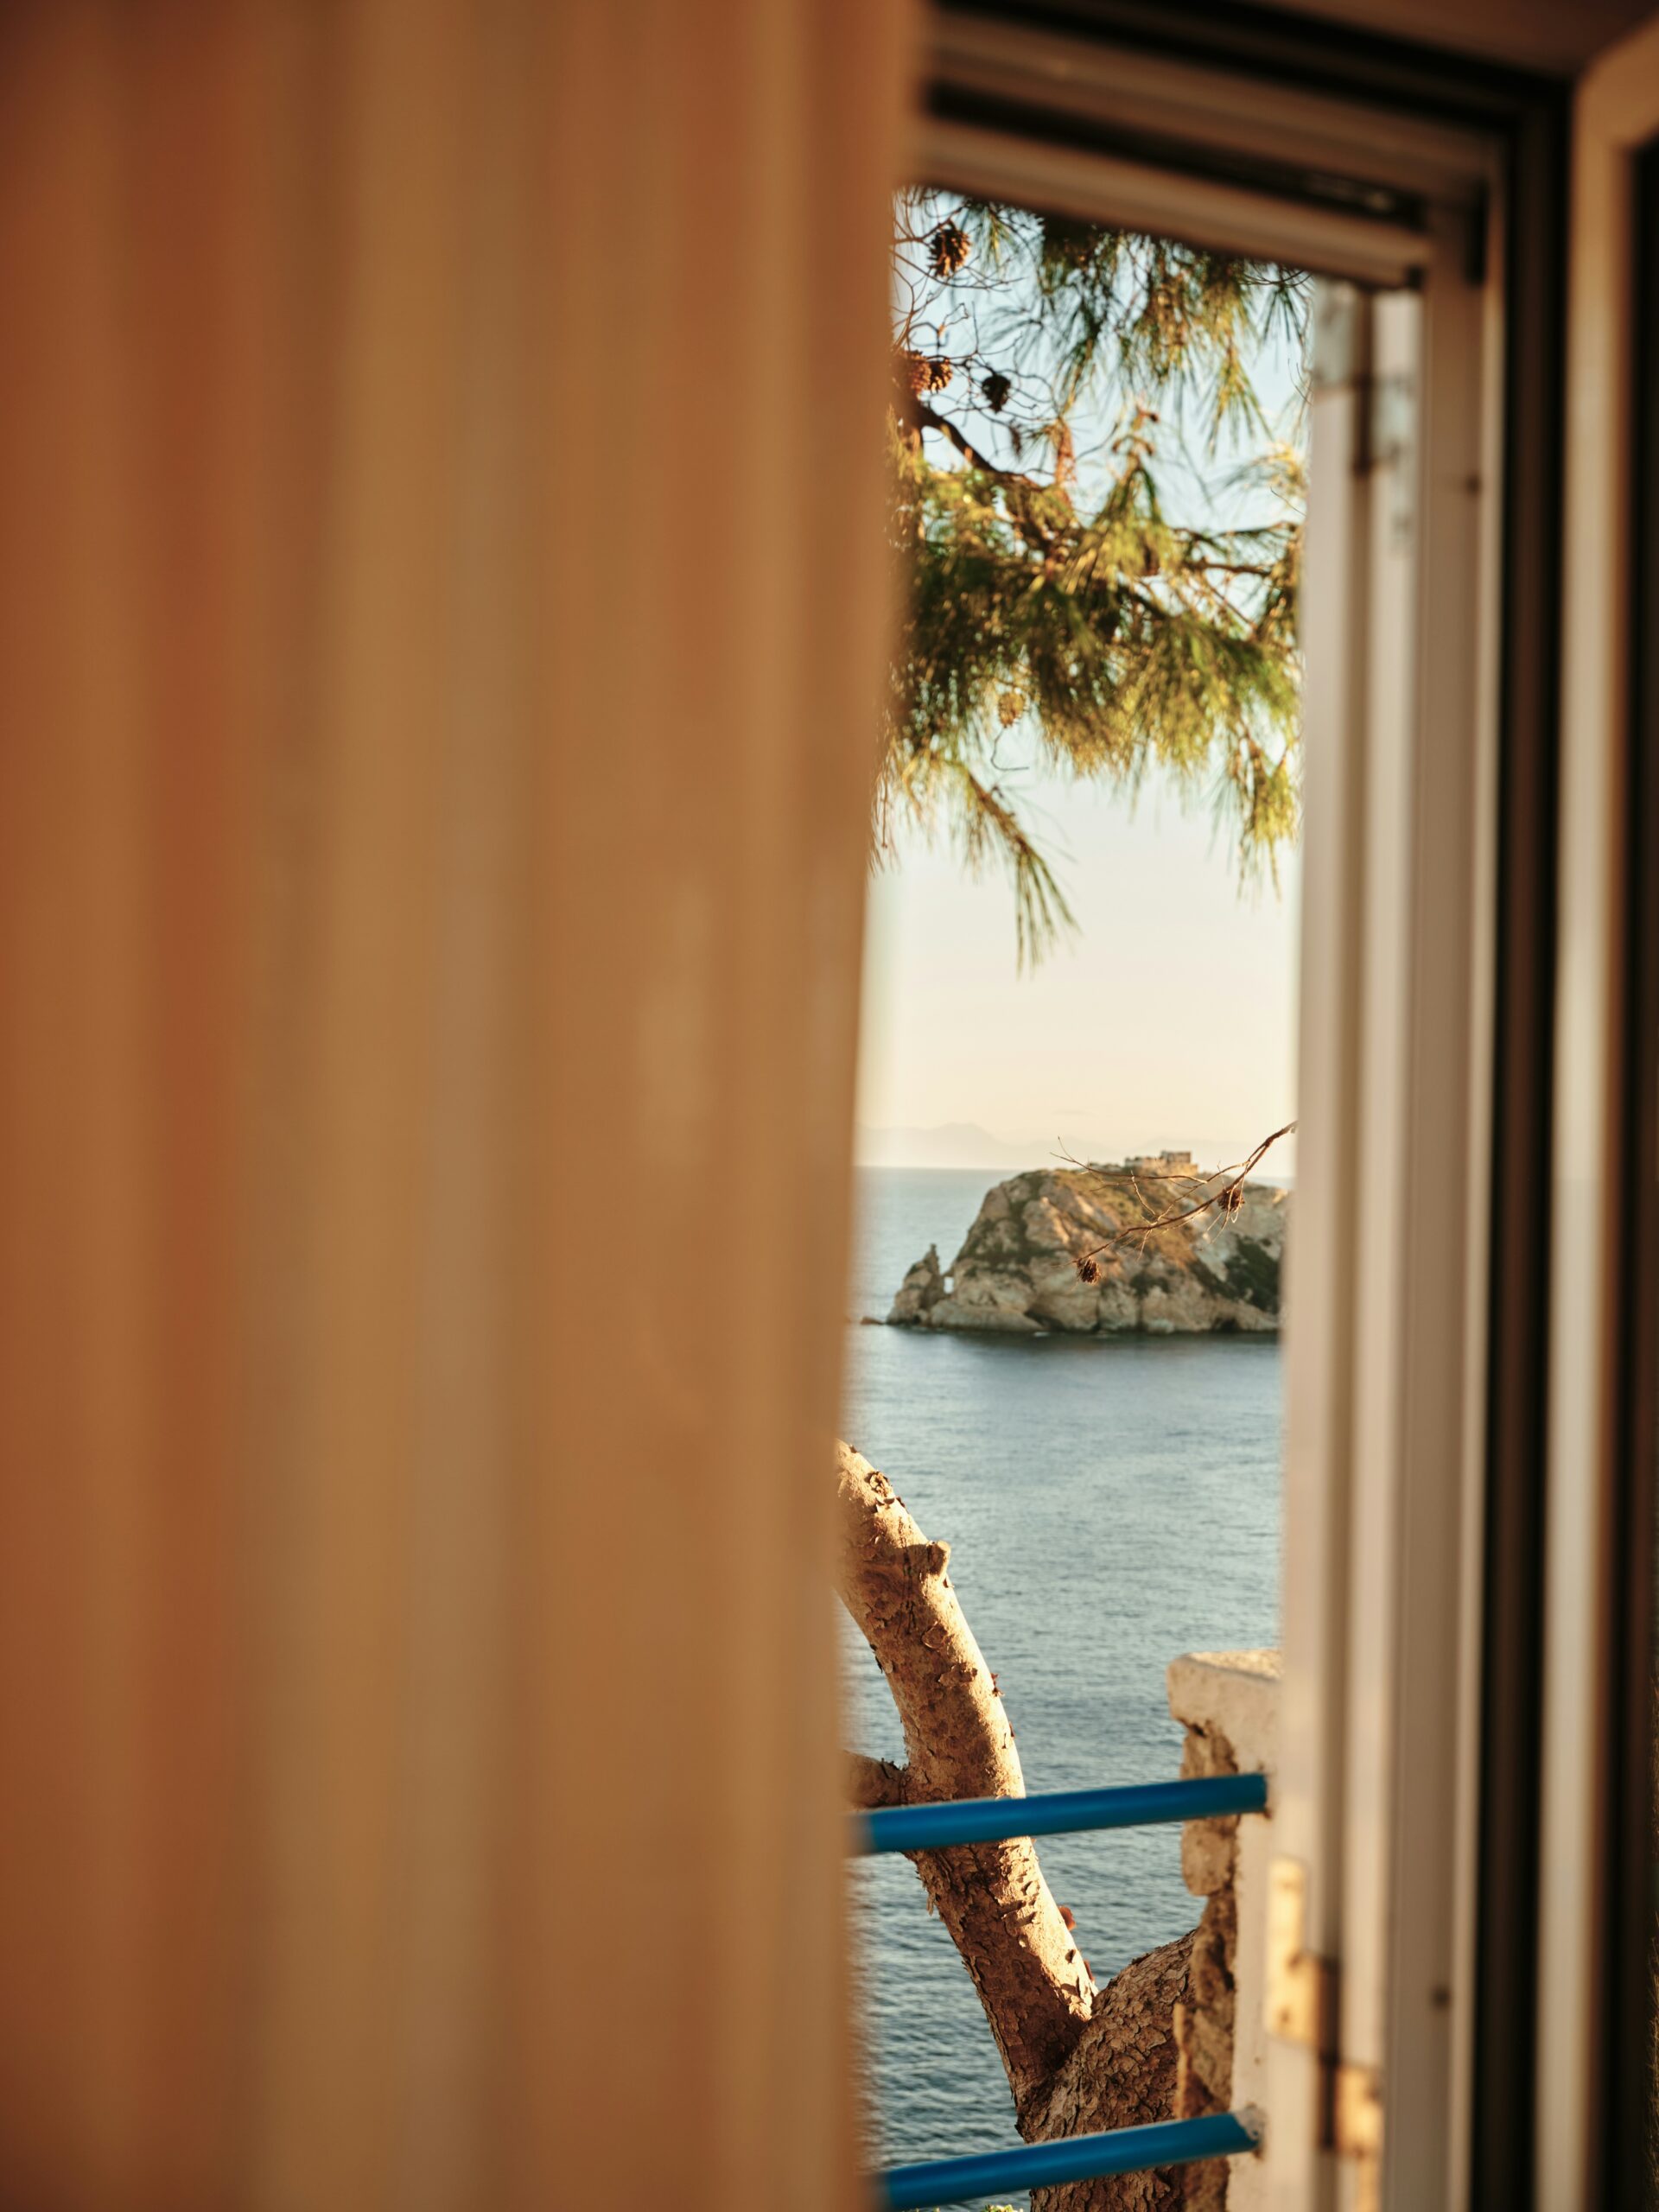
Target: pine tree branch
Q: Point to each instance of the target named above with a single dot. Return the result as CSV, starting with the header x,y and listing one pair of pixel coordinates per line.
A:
x,y
930,419
1039,540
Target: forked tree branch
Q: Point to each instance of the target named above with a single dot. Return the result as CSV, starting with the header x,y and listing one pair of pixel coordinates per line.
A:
x,y
1036,1991
1078,2058
874,1784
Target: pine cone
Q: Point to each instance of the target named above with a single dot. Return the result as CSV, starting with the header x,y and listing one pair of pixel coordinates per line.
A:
x,y
995,389
928,372
1087,1271
948,250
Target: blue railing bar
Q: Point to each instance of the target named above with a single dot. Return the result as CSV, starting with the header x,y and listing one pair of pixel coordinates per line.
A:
x,y
1078,2157
1054,1812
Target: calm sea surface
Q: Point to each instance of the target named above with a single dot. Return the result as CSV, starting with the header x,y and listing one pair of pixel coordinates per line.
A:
x,y
1107,1503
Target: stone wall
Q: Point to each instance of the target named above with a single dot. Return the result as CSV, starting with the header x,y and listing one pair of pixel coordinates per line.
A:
x,y
1228,1703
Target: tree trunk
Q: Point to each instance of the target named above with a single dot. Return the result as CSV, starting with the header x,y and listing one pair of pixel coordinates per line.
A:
x,y
1078,2057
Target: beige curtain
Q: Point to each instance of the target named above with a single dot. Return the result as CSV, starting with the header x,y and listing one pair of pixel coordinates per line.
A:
x,y
440,606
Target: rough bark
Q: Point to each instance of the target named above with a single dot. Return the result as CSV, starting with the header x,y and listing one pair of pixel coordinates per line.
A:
x,y
1078,2057
1036,1991
1122,2074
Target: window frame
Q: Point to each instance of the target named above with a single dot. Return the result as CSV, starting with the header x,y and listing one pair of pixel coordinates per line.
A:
x,y
1594,2009
1472,159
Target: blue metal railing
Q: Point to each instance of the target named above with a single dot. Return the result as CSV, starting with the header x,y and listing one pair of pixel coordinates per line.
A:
x,y
1055,1812
1061,1812
1078,2158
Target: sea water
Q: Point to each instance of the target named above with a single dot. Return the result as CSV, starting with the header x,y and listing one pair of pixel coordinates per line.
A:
x,y
1109,1502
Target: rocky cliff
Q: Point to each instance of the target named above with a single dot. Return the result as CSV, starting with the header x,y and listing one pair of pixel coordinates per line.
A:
x,y
1017,1272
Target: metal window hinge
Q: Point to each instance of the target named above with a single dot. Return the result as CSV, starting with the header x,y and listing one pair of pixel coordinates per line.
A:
x,y
1300,2006
1301,1986
1357,2113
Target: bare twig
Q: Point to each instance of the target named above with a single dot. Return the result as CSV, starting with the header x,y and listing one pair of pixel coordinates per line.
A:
x,y
1224,1200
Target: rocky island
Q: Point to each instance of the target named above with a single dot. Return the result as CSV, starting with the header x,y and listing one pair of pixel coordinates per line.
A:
x,y
1017,1272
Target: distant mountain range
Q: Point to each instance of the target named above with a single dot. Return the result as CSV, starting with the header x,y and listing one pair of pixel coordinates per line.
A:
x,y
953,1144
965,1144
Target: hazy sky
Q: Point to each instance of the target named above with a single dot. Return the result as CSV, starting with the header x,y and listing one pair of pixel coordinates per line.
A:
x,y
1167,1019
